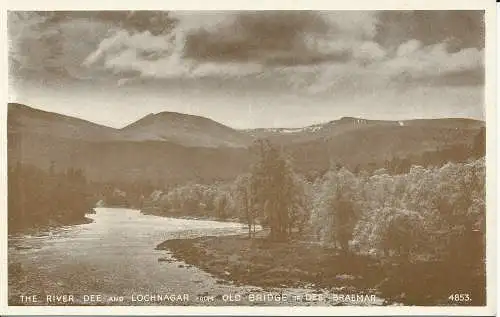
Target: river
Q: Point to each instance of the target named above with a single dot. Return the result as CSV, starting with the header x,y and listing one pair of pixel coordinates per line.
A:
x,y
114,258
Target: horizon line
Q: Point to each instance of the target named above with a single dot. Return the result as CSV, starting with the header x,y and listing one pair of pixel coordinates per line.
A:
x,y
238,129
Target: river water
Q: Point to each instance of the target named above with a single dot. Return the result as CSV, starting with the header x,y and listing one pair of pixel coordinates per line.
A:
x,y
114,259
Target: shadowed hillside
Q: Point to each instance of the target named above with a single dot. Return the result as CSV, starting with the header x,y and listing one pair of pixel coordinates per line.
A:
x,y
184,129
178,148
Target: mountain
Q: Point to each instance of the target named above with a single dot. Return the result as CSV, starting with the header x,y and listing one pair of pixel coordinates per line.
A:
x,y
176,148
175,127
184,129
105,154
22,119
376,144
350,124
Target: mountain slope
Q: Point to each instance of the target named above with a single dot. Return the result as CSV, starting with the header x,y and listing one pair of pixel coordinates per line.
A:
x,y
184,129
174,127
376,144
176,148
27,120
350,124
128,161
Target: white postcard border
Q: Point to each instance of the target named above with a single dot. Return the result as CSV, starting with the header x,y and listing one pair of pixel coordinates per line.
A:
x,y
491,157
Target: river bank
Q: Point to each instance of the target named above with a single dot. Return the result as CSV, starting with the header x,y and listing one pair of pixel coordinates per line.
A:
x,y
188,216
42,229
112,256
262,263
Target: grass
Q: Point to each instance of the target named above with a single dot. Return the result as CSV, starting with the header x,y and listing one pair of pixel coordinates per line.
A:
x,y
263,263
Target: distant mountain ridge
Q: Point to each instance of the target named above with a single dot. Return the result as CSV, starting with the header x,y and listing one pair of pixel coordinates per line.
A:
x,y
188,130
175,147
347,124
193,130
25,119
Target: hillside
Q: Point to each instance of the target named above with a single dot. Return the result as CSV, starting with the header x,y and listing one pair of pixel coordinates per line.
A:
x,y
184,129
347,124
127,161
22,119
176,148
377,144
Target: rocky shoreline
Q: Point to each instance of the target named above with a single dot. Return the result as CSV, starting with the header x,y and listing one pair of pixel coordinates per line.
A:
x,y
259,262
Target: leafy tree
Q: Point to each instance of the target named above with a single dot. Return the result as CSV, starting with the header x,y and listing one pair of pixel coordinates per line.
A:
x,y
427,212
335,212
273,187
245,200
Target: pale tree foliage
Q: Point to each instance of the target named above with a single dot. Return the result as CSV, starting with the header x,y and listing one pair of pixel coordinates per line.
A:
x,y
388,230
428,212
245,202
212,200
223,204
335,207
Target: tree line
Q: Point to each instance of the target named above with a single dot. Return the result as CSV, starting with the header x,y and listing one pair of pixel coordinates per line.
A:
x,y
418,211
38,197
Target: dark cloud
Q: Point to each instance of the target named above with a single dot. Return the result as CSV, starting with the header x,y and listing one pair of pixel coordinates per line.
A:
x,y
165,44
463,29
156,22
274,37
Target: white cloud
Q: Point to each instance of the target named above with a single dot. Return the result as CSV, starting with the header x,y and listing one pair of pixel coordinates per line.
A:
x,y
226,70
124,51
409,47
354,24
414,61
351,59
432,60
328,44
369,52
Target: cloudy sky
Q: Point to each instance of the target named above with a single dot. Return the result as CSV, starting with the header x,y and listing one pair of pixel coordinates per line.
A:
x,y
249,69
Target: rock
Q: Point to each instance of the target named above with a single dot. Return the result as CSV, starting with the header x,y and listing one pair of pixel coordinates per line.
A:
x,y
344,277
165,260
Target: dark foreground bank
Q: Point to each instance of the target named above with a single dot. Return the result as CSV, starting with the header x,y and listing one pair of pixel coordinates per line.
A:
x,y
260,262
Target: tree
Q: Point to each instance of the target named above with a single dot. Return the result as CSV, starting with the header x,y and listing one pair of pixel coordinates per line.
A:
x,y
221,203
245,201
335,211
40,197
272,187
344,220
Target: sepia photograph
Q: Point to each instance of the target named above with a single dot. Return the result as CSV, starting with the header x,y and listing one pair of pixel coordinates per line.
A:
x,y
277,158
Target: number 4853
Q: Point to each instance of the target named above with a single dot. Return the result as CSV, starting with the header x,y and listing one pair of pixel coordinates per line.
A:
x,y
459,297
